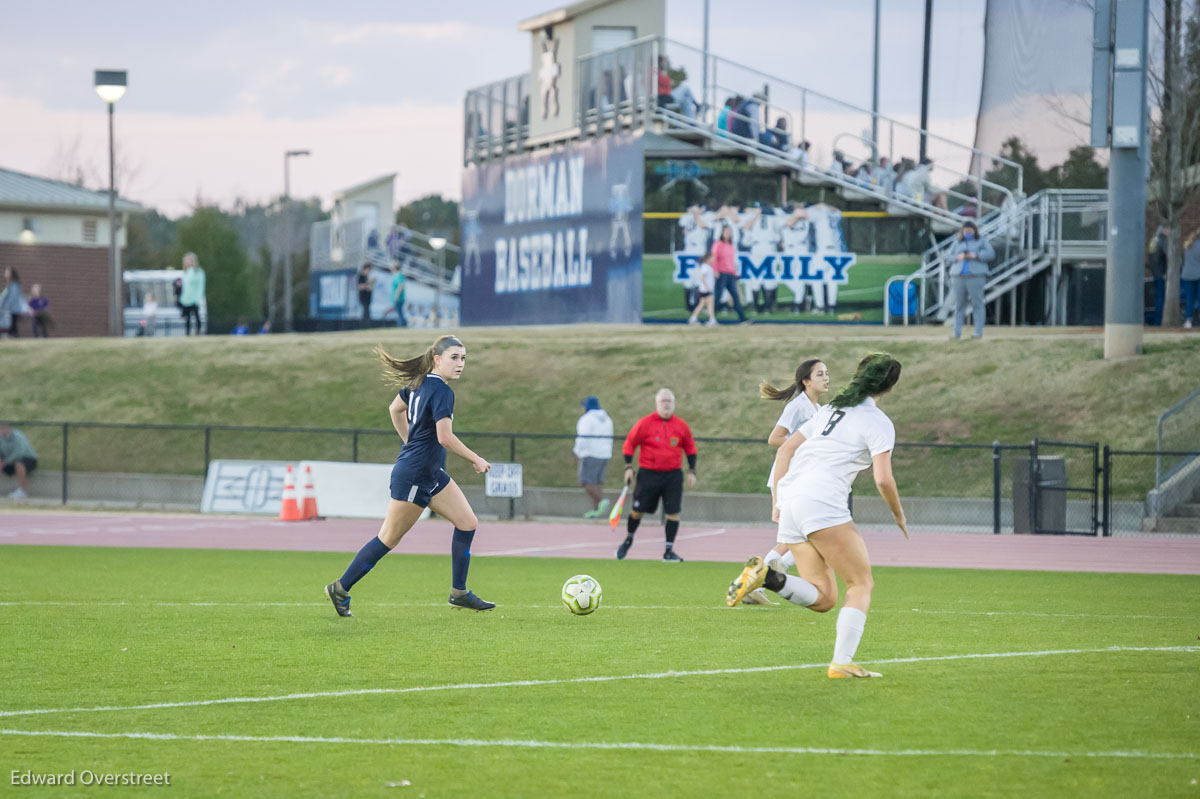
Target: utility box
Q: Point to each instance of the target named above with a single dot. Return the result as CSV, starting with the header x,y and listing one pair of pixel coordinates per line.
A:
x,y
1051,503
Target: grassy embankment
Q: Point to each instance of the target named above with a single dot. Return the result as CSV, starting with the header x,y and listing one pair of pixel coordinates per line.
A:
x,y
1011,387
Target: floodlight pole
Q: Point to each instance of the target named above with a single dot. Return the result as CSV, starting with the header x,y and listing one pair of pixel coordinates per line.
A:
x,y
287,247
874,93
925,75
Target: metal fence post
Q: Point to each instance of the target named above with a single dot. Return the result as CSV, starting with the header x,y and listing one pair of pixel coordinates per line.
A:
x,y
207,447
356,446
66,427
1035,481
512,458
996,488
1106,530
1096,489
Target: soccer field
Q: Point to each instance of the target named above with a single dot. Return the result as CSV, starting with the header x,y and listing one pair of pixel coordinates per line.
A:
x,y
229,671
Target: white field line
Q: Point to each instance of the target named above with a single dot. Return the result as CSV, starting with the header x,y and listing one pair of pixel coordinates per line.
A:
x,y
604,745
235,700
719,607
598,544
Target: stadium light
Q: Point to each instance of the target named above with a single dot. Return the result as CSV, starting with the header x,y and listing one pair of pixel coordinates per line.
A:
x,y
438,243
287,246
110,85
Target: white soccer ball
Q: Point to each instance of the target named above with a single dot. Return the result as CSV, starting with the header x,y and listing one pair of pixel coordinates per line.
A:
x,y
581,594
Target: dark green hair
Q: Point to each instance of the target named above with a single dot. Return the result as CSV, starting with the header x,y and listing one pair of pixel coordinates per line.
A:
x,y
876,373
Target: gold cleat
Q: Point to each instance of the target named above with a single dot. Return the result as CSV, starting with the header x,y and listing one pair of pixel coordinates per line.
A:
x,y
837,671
757,597
751,579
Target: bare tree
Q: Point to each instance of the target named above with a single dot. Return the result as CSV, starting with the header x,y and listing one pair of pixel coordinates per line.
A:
x,y
1176,133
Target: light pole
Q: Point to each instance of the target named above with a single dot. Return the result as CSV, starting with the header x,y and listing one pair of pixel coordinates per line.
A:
x,y
439,245
110,85
287,246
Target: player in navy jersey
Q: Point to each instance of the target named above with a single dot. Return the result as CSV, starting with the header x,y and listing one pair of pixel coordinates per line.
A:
x,y
423,415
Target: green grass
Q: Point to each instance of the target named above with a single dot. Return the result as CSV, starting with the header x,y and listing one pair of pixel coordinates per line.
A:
x,y
1012,387
135,637
663,299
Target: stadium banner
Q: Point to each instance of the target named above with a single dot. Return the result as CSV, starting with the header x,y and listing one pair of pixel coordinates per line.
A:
x,y
555,237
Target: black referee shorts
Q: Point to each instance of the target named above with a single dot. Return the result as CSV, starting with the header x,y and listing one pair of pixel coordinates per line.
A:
x,y
652,485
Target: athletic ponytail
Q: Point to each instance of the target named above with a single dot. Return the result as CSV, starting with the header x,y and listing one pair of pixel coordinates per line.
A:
x,y
803,372
876,373
411,373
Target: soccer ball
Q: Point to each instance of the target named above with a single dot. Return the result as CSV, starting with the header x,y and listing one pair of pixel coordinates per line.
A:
x,y
581,594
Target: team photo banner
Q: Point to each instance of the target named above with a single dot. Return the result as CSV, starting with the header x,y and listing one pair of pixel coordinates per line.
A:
x,y
555,237
787,268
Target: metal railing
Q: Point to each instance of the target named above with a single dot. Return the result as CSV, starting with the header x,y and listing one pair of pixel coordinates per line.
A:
x,y
496,119
1029,236
994,487
1191,434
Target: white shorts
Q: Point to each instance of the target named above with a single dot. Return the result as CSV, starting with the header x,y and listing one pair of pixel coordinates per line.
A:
x,y
803,515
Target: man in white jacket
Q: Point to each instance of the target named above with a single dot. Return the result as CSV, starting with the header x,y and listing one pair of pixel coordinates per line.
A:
x,y
593,450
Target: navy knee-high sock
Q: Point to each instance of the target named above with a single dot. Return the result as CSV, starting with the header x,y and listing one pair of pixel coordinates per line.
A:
x,y
363,562
460,558
672,529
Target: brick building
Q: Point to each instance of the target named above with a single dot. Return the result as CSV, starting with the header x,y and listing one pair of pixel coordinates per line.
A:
x,y
56,234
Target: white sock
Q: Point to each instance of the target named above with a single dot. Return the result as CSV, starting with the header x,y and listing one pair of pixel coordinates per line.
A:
x,y
801,592
780,562
850,623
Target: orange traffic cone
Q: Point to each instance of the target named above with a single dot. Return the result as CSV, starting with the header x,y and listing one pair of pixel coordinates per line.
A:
x,y
289,511
308,509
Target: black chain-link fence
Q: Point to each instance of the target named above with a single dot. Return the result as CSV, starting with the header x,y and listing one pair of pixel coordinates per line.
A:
x,y
1040,487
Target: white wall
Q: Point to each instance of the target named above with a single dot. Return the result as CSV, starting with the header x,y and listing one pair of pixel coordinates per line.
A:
x,y
57,228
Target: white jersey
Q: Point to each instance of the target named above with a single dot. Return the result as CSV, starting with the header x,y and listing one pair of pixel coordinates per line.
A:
x,y
798,411
827,229
705,279
796,238
695,235
838,444
763,235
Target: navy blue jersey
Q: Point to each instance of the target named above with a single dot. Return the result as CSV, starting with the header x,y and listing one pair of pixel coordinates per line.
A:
x,y
434,400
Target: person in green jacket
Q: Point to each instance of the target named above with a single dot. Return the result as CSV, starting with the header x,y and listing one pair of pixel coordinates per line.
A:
x,y
398,295
17,458
193,292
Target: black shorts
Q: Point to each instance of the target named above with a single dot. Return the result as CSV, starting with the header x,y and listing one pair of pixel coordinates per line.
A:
x,y
652,484
10,467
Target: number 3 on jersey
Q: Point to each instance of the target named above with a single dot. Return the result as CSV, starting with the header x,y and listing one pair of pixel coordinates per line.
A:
x,y
834,418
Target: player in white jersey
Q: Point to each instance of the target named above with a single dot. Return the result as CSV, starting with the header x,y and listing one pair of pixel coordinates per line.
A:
x,y
803,401
795,235
814,470
697,234
760,236
827,238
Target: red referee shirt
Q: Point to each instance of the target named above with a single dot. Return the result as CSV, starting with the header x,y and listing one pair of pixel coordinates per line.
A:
x,y
664,442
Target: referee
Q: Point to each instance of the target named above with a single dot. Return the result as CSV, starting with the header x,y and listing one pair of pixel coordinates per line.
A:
x,y
663,438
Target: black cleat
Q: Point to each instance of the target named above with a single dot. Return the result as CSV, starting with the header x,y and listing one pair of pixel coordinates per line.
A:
x,y
340,599
670,557
623,550
470,602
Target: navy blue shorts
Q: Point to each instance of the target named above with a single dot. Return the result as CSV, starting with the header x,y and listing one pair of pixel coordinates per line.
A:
x,y
416,488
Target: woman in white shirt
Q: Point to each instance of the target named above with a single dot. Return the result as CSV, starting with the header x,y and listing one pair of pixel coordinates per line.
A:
x,y
814,470
803,401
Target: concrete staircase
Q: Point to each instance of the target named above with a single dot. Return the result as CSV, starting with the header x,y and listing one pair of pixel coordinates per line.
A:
x,y
1183,518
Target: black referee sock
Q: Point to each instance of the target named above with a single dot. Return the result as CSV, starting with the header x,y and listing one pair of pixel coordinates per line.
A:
x,y
631,526
672,529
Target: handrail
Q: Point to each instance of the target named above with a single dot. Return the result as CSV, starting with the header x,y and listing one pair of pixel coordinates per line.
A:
x,y
1169,412
851,106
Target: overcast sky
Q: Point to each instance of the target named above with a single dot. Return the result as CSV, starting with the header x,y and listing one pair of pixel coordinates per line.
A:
x,y
219,90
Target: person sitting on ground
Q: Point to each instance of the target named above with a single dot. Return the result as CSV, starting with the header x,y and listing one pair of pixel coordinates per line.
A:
x,y
17,458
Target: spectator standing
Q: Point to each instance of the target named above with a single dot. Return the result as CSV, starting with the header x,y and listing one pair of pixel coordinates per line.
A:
x,y
193,292
682,96
17,458
663,439
366,287
37,305
1156,262
705,282
12,301
1189,282
593,451
968,272
397,295
723,262
149,314
664,81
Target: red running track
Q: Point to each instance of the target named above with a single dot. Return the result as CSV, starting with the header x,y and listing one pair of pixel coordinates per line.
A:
x,y
1145,555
